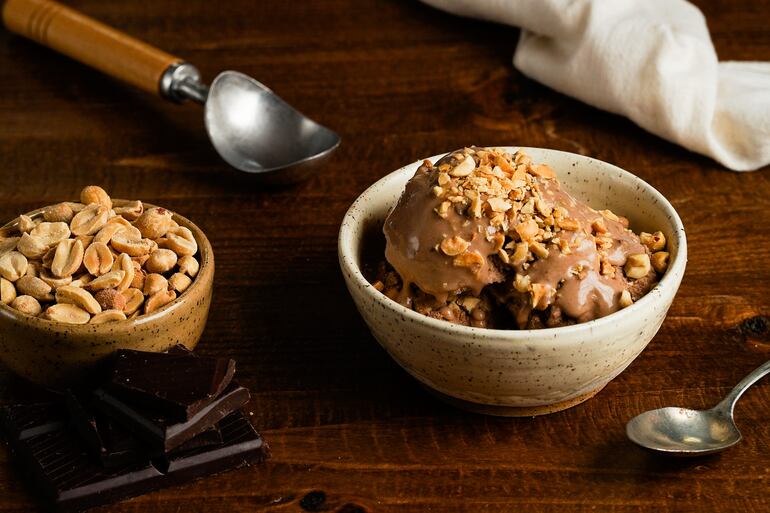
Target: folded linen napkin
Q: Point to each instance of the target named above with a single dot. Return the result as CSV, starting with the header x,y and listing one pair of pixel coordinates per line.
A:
x,y
649,60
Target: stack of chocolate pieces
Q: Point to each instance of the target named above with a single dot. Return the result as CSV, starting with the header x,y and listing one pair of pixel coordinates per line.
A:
x,y
161,419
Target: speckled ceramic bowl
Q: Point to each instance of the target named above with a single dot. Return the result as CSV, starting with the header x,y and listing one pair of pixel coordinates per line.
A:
x,y
56,354
510,372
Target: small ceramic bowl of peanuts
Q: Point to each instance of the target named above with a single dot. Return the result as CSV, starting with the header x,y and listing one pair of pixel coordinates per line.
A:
x,y
81,279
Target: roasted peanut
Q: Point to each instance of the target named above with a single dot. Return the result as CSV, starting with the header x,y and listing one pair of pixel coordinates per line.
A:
x,y
67,312
8,244
81,280
154,223
51,233
61,212
654,241
108,231
125,264
637,266
89,220
154,283
179,282
625,299
78,296
123,244
110,299
454,246
159,300
188,265
26,224
98,259
95,194
526,230
541,295
68,257
134,300
13,265
659,261
161,261
520,254
180,240
106,281
131,210
27,305
52,280
31,246
108,316
138,280
35,287
7,292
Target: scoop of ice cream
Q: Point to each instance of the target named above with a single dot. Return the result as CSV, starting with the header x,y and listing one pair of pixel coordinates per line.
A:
x,y
480,217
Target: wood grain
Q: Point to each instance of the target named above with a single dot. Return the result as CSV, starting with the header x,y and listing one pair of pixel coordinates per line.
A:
x,y
350,431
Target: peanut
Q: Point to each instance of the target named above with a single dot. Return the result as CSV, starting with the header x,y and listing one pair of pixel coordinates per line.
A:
x,y
26,223
124,263
89,220
110,299
188,265
78,296
107,232
154,223
61,212
31,246
8,244
132,247
35,287
106,281
138,281
66,312
161,261
7,292
131,210
68,257
154,283
108,316
637,266
27,305
52,280
659,261
13,265
654,241
134,300
625,299
180,240
51,233
179,282
454,246
95,194
159,300
98,259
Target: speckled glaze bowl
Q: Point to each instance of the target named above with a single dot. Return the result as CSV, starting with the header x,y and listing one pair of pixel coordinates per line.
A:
x,y
516,372
57,355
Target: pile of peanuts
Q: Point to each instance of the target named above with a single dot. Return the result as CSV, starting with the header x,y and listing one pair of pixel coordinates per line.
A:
x,y
93,262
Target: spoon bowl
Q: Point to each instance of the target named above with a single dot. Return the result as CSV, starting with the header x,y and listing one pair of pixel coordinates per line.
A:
x,y
683,432
256,131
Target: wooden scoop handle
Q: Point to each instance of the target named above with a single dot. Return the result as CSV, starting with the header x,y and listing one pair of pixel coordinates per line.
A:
x,y
88,41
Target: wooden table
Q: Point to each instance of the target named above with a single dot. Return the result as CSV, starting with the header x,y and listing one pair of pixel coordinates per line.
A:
x,y
350,431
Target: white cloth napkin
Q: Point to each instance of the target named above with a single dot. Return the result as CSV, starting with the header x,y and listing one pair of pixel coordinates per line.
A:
x,y
649,60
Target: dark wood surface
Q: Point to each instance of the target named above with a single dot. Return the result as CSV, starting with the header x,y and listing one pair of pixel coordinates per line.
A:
x,y
350,431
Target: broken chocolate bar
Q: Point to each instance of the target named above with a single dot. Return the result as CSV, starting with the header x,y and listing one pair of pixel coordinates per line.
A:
x,y
157,431
175,384
61,469
24,421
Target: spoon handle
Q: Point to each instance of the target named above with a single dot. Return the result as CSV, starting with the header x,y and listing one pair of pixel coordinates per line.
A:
x,y
727,404
93,43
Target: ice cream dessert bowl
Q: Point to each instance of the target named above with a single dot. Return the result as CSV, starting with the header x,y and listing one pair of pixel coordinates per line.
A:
x,y
546,345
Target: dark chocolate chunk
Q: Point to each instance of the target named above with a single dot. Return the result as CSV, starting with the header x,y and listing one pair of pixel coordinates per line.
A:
x,y
241,445
178,385
160,433
23,421
209,437
62,472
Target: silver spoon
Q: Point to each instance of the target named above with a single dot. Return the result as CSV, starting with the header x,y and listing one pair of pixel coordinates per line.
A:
x,y
251,127
683,432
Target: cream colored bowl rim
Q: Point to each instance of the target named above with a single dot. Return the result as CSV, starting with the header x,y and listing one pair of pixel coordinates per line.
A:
x,y
676,265
204,248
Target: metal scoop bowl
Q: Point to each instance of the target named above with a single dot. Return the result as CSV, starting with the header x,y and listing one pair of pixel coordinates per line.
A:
x,y
251,127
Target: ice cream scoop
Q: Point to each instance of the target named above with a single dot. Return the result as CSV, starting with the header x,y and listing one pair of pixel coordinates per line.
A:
x,y
251,127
